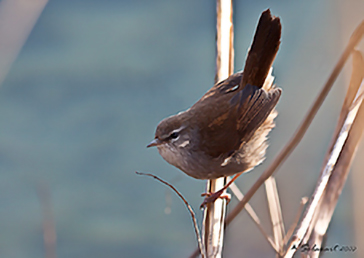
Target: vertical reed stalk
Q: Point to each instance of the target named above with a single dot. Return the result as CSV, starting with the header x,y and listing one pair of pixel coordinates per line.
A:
x,y
214,213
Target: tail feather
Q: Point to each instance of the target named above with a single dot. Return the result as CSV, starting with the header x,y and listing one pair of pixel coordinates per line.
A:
x,y
263,50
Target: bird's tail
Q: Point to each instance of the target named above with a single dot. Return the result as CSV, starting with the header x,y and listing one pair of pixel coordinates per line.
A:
x,y
263,50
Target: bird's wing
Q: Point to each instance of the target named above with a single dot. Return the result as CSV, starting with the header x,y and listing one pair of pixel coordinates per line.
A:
x,y
252,106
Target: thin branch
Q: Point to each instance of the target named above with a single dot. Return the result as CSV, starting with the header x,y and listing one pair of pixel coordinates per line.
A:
x,y
190,209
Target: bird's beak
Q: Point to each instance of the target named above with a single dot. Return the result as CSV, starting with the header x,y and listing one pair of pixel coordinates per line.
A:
x,y
155,142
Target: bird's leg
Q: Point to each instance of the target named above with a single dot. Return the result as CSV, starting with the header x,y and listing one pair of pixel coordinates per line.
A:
x,y
211,197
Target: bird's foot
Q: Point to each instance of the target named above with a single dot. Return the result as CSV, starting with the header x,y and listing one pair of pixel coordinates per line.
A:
x,y
211,197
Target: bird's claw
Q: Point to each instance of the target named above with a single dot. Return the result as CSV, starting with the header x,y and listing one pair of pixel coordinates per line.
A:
x,y
211,197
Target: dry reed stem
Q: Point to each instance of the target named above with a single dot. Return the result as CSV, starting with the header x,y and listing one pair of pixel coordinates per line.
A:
x,y
214,213
340,157
275,213
324,213
273,197
249,209
290,232
49,226
17,19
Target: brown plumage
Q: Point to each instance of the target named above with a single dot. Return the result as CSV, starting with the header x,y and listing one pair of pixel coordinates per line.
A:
x,y
225,131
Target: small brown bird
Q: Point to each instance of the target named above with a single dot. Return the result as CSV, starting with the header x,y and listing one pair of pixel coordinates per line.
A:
x,y
225,132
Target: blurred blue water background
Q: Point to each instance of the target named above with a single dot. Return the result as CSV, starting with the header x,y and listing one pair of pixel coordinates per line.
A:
x,y
83,99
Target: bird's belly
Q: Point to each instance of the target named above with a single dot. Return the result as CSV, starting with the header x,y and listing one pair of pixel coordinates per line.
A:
x,y
207,168
199,165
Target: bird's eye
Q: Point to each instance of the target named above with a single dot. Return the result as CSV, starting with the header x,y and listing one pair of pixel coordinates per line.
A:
x,y
174,135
